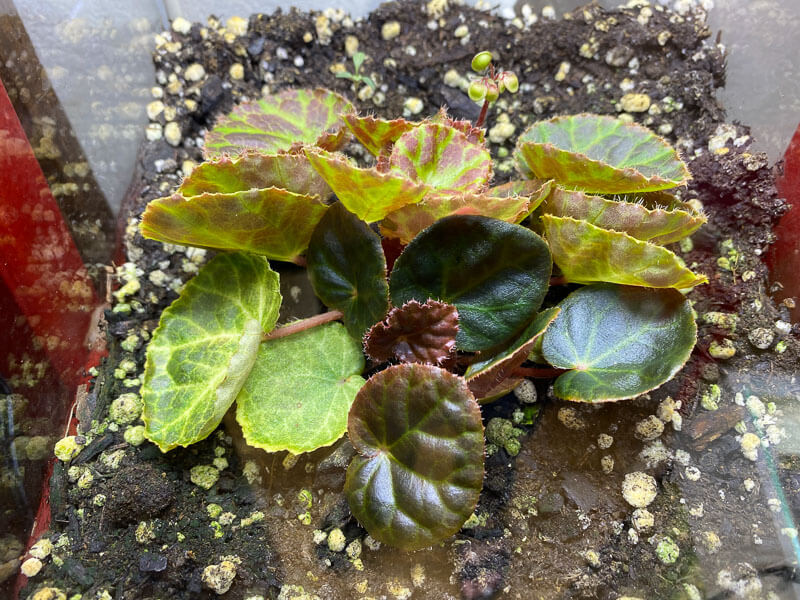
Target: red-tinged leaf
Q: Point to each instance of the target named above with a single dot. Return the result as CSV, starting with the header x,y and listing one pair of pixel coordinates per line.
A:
x,y
333,140
652,200
272,222
657,225
443,158
254,170
367,193
476,135
535,190
276,122
376,134
414,332
520,187
409,221
486,375
587,254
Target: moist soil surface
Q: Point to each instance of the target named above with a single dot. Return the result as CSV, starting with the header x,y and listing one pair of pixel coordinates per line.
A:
x,y
129,522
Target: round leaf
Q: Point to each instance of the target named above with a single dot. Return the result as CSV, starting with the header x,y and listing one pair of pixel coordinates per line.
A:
x,y
657,225
273,222
586,254
443,158
347,269
495,273
619,341
367,193
599,154
300,390
204,347
277,122
419,468
486,375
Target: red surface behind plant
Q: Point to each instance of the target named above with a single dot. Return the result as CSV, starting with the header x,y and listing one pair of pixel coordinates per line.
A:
x,y
784,256
38,258
48,302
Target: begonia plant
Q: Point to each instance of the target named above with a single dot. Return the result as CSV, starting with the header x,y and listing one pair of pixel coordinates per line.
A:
x,y
449,324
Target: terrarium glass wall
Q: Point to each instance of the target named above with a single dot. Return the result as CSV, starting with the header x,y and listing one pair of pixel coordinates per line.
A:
x,y
104,107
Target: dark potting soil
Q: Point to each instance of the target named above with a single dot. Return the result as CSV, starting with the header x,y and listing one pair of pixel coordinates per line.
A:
x,y
129,522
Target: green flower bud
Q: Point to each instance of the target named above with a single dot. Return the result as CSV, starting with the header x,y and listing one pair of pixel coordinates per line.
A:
x,y
477,91
511,81
481,60
492,92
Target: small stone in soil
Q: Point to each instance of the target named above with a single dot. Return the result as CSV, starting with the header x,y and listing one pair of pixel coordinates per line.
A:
x,y
550,503
152,563
722,350
761,338
639,489
31,567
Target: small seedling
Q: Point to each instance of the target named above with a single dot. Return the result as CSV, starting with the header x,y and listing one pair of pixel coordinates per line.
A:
x,y
453,321
356,76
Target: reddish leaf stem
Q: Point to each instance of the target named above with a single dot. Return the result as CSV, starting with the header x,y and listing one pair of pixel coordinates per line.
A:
x,y
482,116
539,373
558,280
302,325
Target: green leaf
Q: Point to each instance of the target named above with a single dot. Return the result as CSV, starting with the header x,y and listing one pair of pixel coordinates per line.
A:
x,y
367,193
300,390
273,222
415,332
419,468
407,222
376,134
347,269
443,158
358,60
293,116
599,154
495,273
586,254
657,225
485,375
204,347
254,170
619,341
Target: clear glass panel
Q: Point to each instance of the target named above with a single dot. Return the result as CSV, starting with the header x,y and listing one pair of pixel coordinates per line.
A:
x,y
103,111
